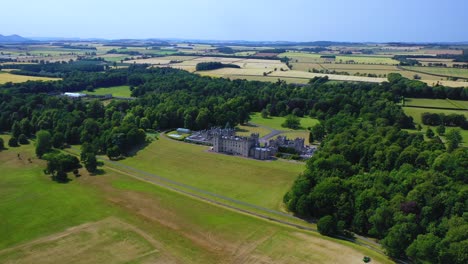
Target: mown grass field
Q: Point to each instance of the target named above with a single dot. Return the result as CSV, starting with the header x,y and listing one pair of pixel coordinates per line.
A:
x,y
246,130
114,218
275,122
14,78
441,71
120,91
416,114
231,176
443,103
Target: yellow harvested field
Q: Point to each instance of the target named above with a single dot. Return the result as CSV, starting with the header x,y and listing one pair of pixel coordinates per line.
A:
x,y
261,64
8,77
457,84
217,59
234,71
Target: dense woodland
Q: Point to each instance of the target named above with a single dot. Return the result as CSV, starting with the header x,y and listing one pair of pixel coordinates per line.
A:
x,y
369,176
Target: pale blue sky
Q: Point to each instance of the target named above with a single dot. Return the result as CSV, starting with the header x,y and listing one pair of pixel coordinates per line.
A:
x,y
293,20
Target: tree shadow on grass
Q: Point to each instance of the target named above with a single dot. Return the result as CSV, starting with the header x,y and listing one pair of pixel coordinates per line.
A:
x,y
98,172
134,151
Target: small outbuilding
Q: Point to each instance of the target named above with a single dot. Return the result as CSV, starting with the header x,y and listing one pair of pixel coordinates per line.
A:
x,y
183,131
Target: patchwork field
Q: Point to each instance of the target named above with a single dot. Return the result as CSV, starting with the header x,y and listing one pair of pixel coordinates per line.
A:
x,y
119,91
14,78
313,57
114,218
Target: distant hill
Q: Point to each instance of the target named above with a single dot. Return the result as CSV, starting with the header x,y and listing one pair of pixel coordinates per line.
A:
x,y
12,39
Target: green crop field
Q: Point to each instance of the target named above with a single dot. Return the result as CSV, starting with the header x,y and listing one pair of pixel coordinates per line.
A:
x,y
118,219
443,103
441,71
276,121
120,91
218,173
14,78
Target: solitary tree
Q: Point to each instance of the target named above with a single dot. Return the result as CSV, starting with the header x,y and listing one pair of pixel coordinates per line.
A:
x,y
440,130
23,140
429,133
327,225
43,142
13,142
264,113
292,122
454,139
90,162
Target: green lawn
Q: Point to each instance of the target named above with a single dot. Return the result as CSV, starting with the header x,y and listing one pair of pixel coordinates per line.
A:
x,y
275,121
121,91
138,218
235,177
247,130
31,205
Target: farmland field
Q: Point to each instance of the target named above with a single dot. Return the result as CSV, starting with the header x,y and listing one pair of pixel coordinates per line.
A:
x,y
275,122
312,57
116,218
119,91
14,78
259,78
441,71
416,112
442,103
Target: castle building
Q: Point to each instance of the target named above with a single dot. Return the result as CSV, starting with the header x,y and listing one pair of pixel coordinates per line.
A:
x,y
224,140
242,146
